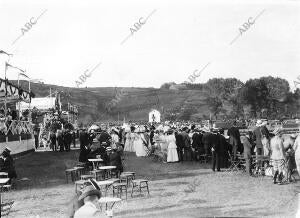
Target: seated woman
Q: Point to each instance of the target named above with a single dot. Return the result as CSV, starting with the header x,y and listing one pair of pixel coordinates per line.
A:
x,y
8,164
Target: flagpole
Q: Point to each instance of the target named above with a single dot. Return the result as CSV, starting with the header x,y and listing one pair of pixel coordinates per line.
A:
x,y
29,100
5,101
19,97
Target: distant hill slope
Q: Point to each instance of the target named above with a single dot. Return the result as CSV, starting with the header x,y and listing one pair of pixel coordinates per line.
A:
x,y
132,103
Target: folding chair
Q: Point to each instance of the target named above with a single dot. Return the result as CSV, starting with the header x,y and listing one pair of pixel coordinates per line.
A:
x,y
234,164
5,208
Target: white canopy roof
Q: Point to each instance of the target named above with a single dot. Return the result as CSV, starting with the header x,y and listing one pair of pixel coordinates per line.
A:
x,y
39,103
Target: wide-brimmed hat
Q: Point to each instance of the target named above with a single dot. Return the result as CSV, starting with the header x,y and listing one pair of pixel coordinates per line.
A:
x,y
6,150
259,123
108,148
89,191
205,129
294,135
276,131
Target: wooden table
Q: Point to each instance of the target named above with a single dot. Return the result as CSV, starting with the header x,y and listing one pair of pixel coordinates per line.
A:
x,y
95,162
107,170
3,181
105,184
108,200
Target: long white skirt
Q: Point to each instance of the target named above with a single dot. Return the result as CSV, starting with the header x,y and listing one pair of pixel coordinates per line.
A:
x,y
172,155
139,148
129,145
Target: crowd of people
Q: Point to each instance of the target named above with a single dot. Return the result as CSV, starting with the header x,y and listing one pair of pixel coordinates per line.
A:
x,y
178,142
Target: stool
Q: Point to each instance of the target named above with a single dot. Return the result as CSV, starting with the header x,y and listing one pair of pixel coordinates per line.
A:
x,y
72,173
127,178
79,183
203,158
3,175
6,188
132,173
115,180
81,165
140,183
119,187
86,177
97,174
79,171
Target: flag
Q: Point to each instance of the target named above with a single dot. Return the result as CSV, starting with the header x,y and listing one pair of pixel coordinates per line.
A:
x,y
3,52
24,75
9,65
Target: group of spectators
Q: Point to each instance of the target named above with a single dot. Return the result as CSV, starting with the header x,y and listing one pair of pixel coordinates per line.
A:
x,y
62,140
101,144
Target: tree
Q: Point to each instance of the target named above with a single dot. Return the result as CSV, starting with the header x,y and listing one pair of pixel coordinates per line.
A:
x,y
167,85
215,105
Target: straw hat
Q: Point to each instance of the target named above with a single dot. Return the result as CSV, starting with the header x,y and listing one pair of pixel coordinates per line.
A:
x,y
205,129
259,123
6,150
166,128
108,148
276,131
89,191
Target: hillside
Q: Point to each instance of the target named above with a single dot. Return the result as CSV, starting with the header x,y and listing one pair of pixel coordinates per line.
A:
x,y
132,103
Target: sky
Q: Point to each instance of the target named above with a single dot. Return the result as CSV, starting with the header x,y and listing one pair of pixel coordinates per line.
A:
x,y
174,39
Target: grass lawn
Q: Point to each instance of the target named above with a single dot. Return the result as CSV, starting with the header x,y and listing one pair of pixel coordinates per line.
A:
x,y
186,189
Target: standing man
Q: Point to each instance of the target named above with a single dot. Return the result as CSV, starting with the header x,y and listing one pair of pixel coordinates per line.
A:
x,y
197,144
187,144
216,152
180,145
234,138
36,137
257,137
247,153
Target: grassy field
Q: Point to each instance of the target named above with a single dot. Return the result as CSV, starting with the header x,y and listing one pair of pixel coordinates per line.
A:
x,y
186,189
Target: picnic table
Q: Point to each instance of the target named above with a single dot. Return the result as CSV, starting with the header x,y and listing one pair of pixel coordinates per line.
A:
x,y
95,162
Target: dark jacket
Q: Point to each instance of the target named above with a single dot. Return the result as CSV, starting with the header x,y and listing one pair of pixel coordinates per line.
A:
x,y
234,136
186,139
197,141
8,167
257,136
84,153
179,140
104,137
115,160
83,139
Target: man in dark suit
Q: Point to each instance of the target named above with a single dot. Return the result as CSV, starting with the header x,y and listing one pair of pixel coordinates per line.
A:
x,y
104,137
217,150
115,160
187,149
207,141
234,139
257,136
197,144
180,145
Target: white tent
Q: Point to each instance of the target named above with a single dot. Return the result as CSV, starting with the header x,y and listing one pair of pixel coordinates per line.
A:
x,y
40,103
154,116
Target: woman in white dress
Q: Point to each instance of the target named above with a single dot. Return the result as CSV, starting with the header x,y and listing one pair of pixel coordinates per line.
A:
x,y
138,143
129,141
172,148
